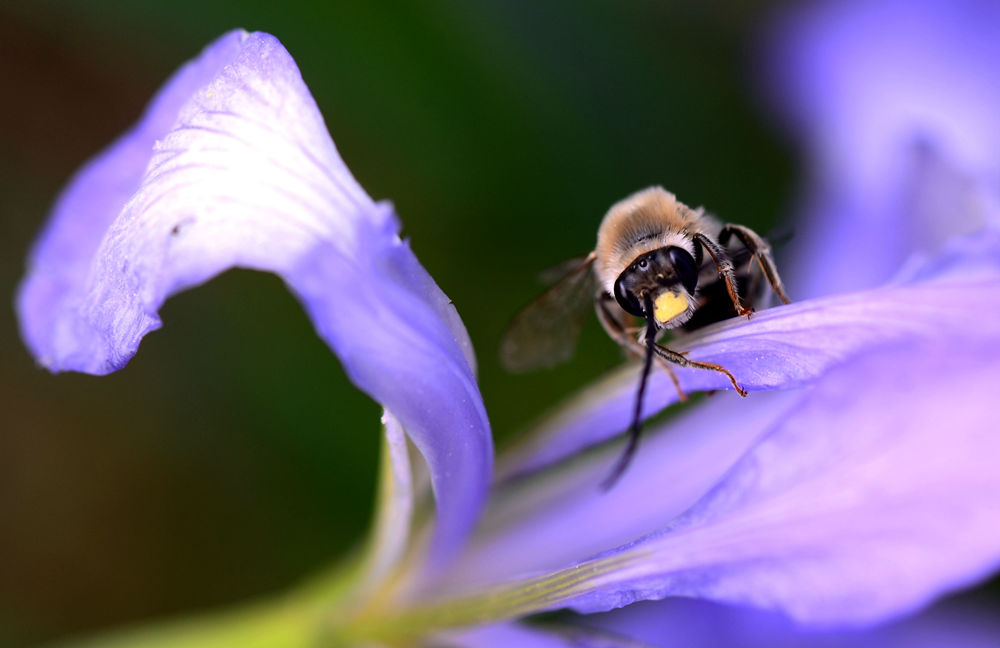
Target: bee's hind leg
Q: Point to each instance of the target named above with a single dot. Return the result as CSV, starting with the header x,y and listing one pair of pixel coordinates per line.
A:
x,y
761,251
617,330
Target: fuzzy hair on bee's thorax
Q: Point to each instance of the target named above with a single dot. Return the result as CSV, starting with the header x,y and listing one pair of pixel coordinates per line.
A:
x,y
647,220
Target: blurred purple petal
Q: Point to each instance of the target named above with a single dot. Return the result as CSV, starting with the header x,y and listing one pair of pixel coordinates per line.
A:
x,y
875,90
701,624
244,174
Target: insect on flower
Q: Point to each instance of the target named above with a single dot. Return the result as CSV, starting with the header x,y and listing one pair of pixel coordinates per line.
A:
x,y
649,264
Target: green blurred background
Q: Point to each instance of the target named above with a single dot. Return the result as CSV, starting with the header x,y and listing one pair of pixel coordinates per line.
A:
x,y
232,457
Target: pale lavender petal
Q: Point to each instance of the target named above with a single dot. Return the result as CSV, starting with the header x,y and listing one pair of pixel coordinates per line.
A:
x,y
701,624
894,102
873,497
244,174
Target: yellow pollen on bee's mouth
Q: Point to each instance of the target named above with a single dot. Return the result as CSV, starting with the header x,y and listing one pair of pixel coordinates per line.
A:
x,y
668,306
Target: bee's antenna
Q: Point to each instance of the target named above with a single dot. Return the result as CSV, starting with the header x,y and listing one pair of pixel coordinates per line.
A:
x,y
636,427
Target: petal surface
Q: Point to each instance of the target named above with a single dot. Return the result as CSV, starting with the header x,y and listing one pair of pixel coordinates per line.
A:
x,y
865,495
239,171
871,499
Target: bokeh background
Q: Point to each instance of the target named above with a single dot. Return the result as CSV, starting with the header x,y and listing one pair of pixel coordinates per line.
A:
x,y
231,458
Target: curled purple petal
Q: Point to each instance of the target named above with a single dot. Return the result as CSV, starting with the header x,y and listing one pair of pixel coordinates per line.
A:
x,y
232,166
411,364
61,260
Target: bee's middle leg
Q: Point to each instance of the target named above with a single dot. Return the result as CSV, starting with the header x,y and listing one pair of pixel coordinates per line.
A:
x,y
682,360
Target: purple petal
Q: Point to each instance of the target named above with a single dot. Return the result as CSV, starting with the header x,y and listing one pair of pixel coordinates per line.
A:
x,y
239,171
869,500
409,362
868,491
700,624
885,95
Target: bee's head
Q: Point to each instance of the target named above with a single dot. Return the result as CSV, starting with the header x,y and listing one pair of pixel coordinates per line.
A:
x,y
668,276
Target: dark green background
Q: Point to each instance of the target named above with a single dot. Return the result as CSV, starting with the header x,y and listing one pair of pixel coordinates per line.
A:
x,y
232,457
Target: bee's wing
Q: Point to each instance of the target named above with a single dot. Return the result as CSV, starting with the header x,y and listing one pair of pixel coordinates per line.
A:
x,y
553,275
546,331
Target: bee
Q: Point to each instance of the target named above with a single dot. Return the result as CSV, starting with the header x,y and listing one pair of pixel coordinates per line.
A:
x,y
657,261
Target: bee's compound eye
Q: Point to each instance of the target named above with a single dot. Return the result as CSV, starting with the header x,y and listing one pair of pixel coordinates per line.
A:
x,y
627,299
685,268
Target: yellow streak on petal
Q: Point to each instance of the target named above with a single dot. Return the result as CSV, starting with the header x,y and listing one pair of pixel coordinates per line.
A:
x,y
506,601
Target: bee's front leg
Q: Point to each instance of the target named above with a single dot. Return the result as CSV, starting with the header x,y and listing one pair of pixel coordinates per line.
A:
x,y
617,329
